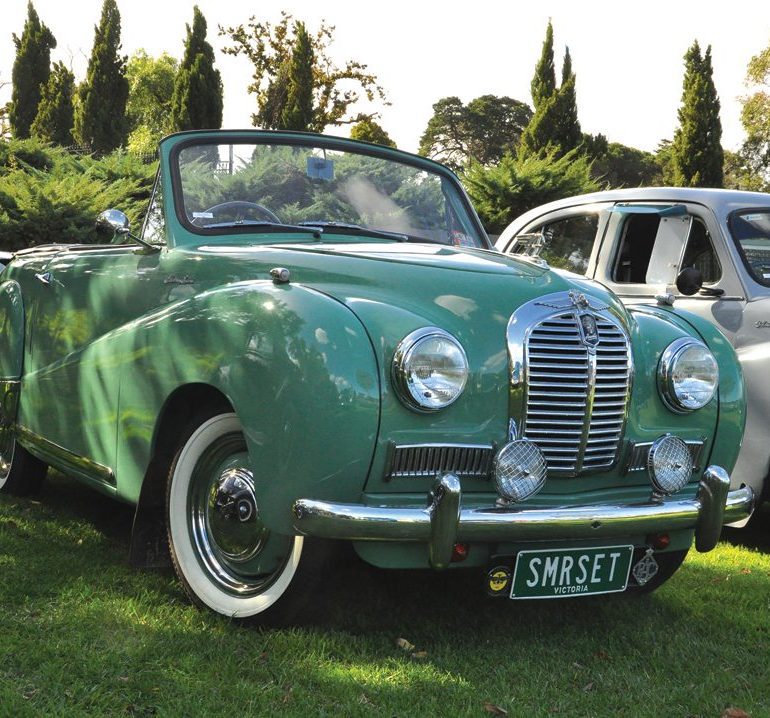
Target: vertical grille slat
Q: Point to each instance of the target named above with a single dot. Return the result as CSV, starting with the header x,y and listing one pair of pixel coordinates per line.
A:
x,y
576,395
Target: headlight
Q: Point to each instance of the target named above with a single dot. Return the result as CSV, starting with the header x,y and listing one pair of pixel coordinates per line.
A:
x,y
429,369
688,375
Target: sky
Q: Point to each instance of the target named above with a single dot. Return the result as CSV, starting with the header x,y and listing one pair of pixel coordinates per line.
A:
x,y
627,56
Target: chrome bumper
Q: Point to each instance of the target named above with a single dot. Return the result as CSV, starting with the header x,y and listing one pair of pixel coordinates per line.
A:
x,y
442,523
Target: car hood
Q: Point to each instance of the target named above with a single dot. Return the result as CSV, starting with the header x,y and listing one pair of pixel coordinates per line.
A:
x,y
446,286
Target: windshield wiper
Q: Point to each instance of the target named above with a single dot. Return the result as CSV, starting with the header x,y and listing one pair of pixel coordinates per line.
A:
x,y
316,231
356,229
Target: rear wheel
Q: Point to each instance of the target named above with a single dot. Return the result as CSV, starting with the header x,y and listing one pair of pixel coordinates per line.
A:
x,y
21,474
224,555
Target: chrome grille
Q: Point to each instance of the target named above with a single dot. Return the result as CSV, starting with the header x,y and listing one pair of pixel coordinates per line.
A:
x,y
428,460
576,395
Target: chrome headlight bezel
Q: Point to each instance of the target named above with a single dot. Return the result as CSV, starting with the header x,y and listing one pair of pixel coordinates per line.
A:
x,y
401,372
666,370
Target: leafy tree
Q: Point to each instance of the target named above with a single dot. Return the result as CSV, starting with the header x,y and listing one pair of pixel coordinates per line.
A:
x,y
543,84
740,172
615,165
481,131
56,113
696,152
371,131
150,87
297,113
31,69
270,49
197,99
517,184
554,128
754,155
100,116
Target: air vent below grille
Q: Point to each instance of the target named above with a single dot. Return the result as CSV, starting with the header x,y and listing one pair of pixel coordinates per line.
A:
x,y
416,461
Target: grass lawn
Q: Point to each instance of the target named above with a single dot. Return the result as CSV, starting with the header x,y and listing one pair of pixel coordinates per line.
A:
x,y
83,634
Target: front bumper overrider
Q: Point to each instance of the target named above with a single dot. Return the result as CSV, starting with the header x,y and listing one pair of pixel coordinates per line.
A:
x,y
443,522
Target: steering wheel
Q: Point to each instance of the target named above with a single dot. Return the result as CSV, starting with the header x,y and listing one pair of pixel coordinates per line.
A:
x,y
240,204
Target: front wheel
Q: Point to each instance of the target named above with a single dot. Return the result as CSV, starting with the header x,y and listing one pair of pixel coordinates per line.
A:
x,y
21,474
224,555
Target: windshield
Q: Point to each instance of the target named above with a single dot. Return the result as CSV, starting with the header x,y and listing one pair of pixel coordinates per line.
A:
x,y
751,231
247,188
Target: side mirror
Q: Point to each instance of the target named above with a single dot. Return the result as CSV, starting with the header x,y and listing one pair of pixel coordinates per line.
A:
x,y
689,281
112,221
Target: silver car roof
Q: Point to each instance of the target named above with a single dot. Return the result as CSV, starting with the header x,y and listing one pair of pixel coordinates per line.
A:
x,y
721,201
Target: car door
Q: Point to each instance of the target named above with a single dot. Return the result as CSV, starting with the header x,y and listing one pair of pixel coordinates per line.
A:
x,y
647,244
567,238
69,397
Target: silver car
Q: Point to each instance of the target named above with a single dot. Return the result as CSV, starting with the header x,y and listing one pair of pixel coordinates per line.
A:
x,y
706,251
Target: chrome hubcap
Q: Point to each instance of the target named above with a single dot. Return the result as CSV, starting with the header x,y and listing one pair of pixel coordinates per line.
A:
x,y
233,516
7,445
233,545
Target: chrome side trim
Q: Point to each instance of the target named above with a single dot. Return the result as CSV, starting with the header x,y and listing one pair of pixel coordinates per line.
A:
x,y
444,522
64,459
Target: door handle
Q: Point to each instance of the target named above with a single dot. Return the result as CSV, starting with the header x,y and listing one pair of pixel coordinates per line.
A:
x,y
45,277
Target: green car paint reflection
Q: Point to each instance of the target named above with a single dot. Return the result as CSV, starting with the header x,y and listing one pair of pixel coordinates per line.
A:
x,y
232,369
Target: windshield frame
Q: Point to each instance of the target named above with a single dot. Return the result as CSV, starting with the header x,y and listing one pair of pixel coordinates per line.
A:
x,y
310,140
730,223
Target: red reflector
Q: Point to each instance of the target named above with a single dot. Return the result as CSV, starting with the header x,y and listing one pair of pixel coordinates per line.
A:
x,y
459,552
659,541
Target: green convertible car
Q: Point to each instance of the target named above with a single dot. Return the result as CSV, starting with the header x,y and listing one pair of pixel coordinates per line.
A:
x,y
311,338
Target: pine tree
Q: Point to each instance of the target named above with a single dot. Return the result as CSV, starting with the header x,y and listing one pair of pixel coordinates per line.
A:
x,y
100,118
543,83
696,153
30,73
56,114
297,114
197,100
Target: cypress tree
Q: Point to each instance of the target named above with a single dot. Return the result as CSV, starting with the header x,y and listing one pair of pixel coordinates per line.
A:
x,y
298,111
543,83
31,70
368,130
55,114
197,100
554,129
696,152
100,119
568,134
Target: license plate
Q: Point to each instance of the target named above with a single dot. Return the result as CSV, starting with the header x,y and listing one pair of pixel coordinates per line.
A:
x,y
569,572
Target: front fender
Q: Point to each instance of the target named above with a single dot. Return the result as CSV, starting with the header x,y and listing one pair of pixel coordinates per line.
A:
x,y
11,331
297,367
731,417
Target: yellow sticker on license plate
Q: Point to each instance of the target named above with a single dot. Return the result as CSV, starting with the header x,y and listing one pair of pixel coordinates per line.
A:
x,y
569,572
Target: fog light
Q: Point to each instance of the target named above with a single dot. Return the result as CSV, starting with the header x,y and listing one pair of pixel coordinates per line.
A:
x,y
519,470
669,464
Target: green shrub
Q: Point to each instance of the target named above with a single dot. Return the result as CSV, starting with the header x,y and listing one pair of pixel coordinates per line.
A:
x,y
504,191
49,195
